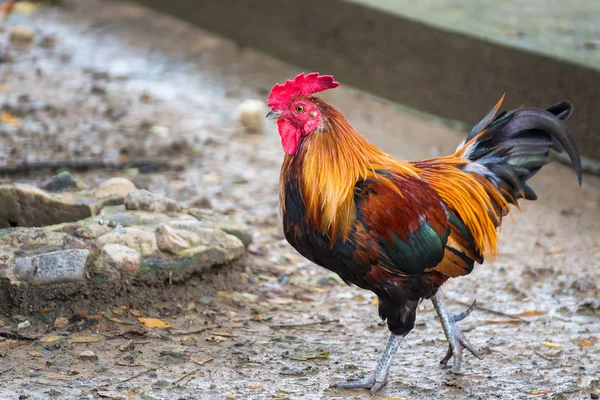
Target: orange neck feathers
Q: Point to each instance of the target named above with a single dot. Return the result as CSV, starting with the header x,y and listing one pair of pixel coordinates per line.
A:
x,y
330,162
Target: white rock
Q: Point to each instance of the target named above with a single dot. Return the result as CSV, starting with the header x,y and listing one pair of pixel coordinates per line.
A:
x,y
122,258
118,188
251,116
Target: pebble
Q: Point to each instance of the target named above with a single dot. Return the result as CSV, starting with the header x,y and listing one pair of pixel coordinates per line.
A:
x,y
251,116
61,322
59,183
114,188
88,355
122,258
22,34
144,200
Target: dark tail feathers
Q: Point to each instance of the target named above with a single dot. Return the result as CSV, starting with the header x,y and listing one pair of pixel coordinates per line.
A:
x,y
513,146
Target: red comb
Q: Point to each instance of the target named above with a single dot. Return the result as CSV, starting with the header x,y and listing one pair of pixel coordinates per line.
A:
x,y
302,85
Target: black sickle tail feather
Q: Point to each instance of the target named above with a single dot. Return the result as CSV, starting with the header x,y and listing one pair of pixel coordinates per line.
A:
x,y
513,146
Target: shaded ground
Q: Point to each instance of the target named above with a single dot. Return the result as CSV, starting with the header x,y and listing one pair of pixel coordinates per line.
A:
x,y
164,73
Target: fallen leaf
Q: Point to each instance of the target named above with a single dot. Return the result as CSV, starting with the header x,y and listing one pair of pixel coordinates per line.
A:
x,y
553,345
540,392
10,119
309,356
501,321
201,360
224,334
115,319
135,313
51,338
583,342
85,338
153,323
531,313
375,302
255,386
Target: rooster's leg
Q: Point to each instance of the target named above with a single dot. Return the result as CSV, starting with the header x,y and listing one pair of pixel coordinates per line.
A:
x,y
455,335
379,378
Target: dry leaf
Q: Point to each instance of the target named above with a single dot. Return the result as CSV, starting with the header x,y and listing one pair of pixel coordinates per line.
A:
x,y
553,345
153,323
531,313
51,338
135,313
540,392
57,376
583,342
501,321
255,386
375,301
114,319
85,338
10,119
201,360
224,334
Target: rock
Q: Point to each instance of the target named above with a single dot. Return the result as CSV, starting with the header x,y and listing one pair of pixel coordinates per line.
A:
x,y
61,322
114,188
22,34
210,218
141,240
55,267
88,355
173,241
214,247
251,116
33,238
146,201
59,183
23,325
23,205
122,258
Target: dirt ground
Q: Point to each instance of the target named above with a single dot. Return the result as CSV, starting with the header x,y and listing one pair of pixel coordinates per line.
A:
x,y
276,326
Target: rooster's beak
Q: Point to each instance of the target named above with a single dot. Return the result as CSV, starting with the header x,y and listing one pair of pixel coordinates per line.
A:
x,y
273,114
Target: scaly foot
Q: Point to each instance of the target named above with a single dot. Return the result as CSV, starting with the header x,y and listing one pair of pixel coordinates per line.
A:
x,y
457,342
379,378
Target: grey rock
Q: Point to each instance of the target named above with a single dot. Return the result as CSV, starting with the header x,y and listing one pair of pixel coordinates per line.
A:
x,y
22,205
212,219
55,267
122,258
144,200
59,183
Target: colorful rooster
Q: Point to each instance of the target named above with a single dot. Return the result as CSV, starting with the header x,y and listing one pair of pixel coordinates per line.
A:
x,y
398,228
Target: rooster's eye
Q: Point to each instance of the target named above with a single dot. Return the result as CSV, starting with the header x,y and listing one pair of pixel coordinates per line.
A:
x,y
299,109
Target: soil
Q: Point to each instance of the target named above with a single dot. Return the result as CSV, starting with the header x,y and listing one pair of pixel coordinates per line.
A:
x,y
274,325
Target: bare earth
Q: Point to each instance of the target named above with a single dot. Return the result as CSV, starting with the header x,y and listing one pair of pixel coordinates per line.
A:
x,y
226,340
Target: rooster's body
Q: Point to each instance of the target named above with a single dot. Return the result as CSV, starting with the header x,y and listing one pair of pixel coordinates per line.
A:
x,y
397,228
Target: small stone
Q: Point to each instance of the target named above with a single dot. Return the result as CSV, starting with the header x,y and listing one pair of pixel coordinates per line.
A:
x,y
48,42
213,219
22,34
144,200
59,183
141,240
23,325
55,267
251,116
61,322
122,258
173,241
114,188
88,355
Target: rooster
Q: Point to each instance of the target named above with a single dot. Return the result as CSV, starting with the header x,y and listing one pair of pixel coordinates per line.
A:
x,y
401,229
